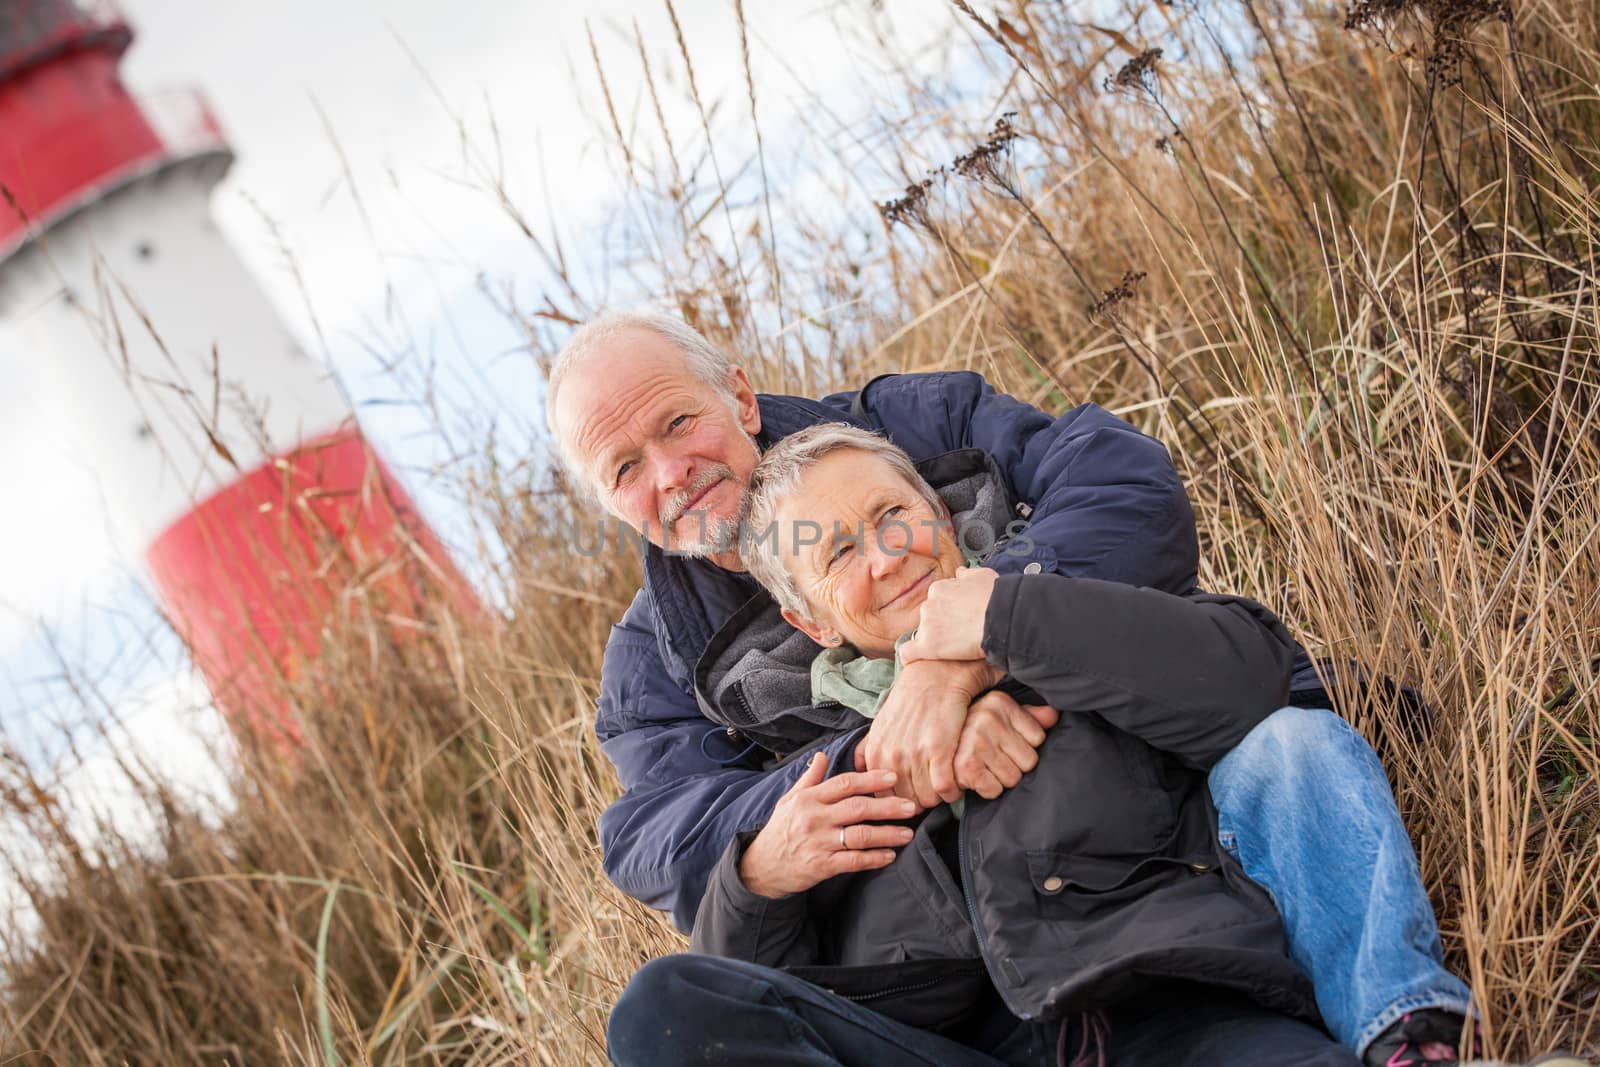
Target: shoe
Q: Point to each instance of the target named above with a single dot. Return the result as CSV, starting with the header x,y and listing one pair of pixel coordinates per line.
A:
x,y
1425,1038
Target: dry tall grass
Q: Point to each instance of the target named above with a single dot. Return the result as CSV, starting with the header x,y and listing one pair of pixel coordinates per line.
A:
x,y
1342,262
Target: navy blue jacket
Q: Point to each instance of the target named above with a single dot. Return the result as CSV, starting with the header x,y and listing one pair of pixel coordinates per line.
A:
x,y
1106,503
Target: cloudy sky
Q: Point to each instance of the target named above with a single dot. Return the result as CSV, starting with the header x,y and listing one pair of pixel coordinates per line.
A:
x,y
374,140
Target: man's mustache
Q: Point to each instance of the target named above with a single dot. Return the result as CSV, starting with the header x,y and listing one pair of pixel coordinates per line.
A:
x,y
680,501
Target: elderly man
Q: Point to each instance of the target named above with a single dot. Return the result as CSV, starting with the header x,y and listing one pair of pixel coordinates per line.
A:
x,y
667,432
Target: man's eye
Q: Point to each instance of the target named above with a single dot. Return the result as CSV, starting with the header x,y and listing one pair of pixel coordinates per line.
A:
x,y
893,513
844,549
624,469
680,420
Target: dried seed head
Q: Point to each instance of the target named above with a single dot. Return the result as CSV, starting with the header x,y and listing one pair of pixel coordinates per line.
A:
x,y
987,160
1119,294
1137,75
911,208
1450,23
1372,14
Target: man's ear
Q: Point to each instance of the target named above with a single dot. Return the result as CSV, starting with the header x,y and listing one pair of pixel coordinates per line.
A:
x,y
744,403
822,635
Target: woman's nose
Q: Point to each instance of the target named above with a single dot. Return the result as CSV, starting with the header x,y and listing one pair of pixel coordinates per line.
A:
x,y
886,551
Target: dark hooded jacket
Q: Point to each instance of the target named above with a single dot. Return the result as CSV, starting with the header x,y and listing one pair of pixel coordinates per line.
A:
x,y
1098,876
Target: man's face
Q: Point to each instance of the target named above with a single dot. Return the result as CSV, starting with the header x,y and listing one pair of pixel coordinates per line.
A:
x,y
881,546
669,455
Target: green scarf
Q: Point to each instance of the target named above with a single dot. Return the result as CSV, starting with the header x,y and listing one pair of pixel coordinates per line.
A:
x,y
861,683
845,676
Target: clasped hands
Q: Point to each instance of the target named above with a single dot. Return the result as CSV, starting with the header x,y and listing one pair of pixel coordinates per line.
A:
x,y
933,738
934,731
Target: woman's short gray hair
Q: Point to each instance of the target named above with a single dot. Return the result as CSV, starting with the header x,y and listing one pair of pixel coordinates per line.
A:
x,y
704,360
777,476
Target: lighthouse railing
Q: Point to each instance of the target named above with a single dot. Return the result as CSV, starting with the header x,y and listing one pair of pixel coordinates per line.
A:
x,y
184,122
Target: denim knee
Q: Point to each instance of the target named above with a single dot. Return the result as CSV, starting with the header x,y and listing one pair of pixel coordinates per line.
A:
x,y
657,1008
1300,730
1292,738
1291,752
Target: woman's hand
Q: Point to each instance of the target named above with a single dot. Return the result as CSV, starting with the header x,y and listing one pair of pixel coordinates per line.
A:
x,y
952,618
825,826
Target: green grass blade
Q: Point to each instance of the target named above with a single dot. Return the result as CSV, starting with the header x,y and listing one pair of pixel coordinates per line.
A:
x,y
330,1054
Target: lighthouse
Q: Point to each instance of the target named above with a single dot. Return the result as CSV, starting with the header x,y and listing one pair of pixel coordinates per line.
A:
x,y
225,451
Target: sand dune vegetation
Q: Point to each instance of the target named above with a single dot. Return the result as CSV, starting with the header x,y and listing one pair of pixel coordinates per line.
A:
x,y
1342,261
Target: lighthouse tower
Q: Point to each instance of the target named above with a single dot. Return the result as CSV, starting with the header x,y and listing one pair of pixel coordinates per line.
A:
x,y
224,449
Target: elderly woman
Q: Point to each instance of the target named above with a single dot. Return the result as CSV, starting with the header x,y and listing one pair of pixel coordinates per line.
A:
x,y
1089,906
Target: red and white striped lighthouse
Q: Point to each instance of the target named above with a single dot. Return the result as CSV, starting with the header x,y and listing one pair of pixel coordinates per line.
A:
x,y
215,436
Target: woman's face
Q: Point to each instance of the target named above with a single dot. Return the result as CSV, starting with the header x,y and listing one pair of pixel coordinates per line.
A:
x,y
881,545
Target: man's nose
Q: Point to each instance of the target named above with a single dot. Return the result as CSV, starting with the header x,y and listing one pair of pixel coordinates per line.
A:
x,y
673,473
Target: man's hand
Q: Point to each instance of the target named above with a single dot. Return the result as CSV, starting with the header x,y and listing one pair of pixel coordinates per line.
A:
x,y
825,826
998,742
952,618
916,731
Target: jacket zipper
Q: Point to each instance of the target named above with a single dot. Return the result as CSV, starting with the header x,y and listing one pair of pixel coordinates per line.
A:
x,y
968,877
965,888
879,994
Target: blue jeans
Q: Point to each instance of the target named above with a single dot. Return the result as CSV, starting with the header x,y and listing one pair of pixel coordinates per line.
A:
x,y
692,1009
1304,806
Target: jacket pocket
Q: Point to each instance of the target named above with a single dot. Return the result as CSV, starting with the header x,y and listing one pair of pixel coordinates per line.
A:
x,y
1106,908
1081,887
1052,871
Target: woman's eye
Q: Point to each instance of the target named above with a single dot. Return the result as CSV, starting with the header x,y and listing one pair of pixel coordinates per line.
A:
x,y
893,513
844,549
679,421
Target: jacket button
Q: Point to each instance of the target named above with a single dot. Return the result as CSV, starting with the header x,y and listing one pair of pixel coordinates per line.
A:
x,y
1033,568
1199,868
1053,884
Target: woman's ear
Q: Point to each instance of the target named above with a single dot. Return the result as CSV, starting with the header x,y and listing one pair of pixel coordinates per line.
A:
x,y
822,635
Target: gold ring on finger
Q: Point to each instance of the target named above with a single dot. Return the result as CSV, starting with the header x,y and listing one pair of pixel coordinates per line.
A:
x,y
842,846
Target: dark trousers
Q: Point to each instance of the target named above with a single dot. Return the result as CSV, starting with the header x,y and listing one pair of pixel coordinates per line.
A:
x,y
693,1009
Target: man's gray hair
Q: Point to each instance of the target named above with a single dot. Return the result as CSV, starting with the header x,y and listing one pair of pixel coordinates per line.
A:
x,y
704,360
762,547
